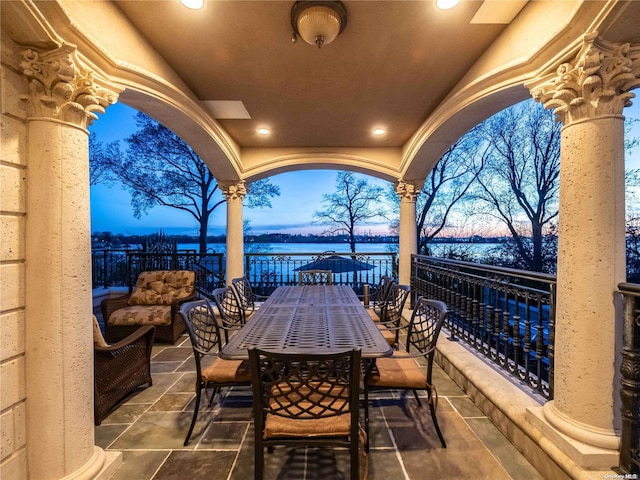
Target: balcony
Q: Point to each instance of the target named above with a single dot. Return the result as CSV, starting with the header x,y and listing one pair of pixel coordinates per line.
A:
x,y
495,371
149,428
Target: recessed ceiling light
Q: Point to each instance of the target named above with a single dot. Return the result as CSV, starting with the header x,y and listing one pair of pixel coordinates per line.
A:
x,y
446,4
193,4
263,131
379,131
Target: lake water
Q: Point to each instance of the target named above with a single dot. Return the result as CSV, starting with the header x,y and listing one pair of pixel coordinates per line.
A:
x,y
278,248
299,247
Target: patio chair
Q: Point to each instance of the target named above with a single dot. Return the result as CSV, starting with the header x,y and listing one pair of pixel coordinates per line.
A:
x,y
155,300
391,313
380,297
246,296
230,310
119,368
401,371
307,400
315,277
204,333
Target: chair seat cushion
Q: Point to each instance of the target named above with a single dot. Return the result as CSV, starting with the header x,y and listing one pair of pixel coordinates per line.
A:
x,y
374,316
398,371
388,335
227,371
335,426
158,315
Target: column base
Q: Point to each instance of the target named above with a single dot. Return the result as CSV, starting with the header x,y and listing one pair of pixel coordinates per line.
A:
x,y
587,448
101,466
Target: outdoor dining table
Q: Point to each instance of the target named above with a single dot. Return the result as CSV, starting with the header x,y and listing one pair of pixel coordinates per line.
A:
x,y
309,319
312,319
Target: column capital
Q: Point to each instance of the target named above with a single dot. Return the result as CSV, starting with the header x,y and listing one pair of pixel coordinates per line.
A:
x,y
62,88
233,190
408,190
596,83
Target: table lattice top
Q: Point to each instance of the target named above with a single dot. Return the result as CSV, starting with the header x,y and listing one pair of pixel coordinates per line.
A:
x,y
309,319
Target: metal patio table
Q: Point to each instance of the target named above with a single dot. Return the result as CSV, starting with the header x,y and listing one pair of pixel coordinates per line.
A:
x,y
310,319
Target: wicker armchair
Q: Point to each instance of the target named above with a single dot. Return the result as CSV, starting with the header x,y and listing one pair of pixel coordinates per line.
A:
x,y
119,368
155,300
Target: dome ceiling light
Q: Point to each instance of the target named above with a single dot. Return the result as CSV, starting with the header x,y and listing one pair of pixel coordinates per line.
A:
x,y
318,22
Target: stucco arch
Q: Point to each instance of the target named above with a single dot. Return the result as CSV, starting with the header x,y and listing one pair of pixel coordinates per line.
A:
x,y
377,163
535,43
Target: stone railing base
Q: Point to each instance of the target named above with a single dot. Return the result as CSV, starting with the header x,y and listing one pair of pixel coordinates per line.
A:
x,y
506,403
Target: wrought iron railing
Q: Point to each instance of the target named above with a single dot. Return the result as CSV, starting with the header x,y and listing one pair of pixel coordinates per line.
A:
x,y
267,271
630,383
120,268
507,315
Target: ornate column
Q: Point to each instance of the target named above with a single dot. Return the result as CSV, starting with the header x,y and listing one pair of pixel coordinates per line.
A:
x,y
588,96
234,193
408,241
63,96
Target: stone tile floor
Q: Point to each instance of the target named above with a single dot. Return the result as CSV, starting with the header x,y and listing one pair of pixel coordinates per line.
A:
x,y
149,427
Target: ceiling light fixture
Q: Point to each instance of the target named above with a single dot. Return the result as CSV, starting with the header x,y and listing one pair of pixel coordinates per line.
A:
x,y
446,4
263,131
193,4
318,22
379,131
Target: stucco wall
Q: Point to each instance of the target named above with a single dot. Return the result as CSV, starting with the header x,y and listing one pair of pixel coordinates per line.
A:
x,y
13,174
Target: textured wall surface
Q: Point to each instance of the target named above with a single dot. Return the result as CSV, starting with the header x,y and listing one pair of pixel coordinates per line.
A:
x,y
13,177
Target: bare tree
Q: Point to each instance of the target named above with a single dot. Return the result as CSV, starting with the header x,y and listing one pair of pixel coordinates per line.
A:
x,y
98,167
520,179
355,201
159,168
444,189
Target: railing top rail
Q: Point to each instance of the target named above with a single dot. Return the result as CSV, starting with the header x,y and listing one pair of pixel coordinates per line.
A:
x,y
538,276
630,288
306,254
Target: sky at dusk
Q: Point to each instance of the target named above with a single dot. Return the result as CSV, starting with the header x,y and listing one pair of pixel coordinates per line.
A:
x,y
300,194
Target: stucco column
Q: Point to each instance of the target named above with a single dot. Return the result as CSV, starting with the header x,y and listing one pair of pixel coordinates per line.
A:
x,y
589,95
408,240
59,342
234,193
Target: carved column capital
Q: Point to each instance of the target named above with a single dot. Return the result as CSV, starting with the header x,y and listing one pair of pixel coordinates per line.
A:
x,y
596,83
407,190
62,88
233,191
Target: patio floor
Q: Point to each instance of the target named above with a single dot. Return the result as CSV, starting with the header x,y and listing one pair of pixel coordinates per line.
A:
x,y
149,427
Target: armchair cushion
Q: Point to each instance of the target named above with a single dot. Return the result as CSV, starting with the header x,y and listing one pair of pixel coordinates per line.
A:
x,y
142,315
98,339
162,287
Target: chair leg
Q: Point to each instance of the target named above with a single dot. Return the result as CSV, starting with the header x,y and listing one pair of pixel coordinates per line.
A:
x,y
415,393
355,459
435,423
259,461
195,416
214,392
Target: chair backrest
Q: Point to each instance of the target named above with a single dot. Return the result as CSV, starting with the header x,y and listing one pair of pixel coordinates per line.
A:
x,y
396,298
244,292
305,387
315,277
381,291
203,328
231,312
424,328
